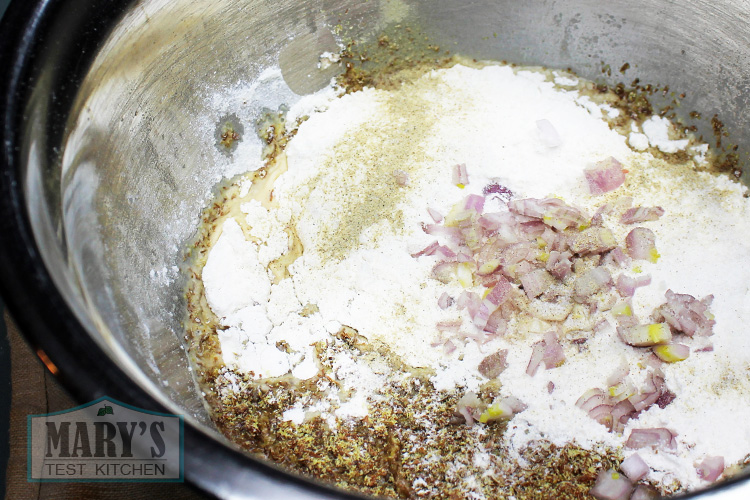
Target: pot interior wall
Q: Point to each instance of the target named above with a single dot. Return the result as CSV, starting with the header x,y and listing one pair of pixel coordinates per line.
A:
x,y
138,163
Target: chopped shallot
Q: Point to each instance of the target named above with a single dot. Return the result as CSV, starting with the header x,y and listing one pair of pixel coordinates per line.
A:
x,y
500,292
548,134
711,468
549,351
658,437
645,335
536,282
611,485
469,407
402,178
559,264
474,202
537,354
553,211
591,282
429,250
594,240
641,244
641,214
644,492
604,176
436,216
671,353
634,467
618,375
460,175
685,314
445,301
626,285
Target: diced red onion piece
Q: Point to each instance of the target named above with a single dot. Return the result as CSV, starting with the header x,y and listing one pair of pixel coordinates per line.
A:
x,y
626,285
604,176
500,292
537,354
598,218
463,257
641,244
611,485
634,467
536,282
452,234
445,301
621,413
429,250
665,398
618,375
594,240
533,229
603,415
554,212
444,271
494,364
554,355
445,252
618,257
474,202
548,134
515,253
645,335
711,468
467,406
592,281
671,353
436,216
684,313
601,325
448,326
480,316
644,492
515,404
591,399
658,437
550,387
641,214
449,347
564,216
530,207
559,264
402,178
496,324
460,175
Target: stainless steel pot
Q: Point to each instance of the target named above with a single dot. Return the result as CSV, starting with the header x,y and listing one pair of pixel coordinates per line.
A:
x,y
104,172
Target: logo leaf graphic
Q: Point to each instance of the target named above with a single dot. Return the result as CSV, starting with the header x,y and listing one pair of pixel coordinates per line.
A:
x,y
105,410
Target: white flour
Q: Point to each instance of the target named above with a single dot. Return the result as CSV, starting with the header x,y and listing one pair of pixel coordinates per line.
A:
x,y
362,274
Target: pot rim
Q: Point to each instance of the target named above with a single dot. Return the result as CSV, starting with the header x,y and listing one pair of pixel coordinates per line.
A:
x,y
41,312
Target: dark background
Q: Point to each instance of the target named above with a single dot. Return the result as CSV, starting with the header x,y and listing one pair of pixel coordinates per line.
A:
x,y
4,372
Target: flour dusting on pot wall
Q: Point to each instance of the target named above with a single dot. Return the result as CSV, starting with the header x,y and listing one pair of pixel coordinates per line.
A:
x,y
480,280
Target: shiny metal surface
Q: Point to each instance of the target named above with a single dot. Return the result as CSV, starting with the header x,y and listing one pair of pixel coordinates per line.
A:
x,y
136,168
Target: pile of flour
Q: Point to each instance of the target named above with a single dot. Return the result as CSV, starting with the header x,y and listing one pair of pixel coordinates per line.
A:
x,y
344,196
